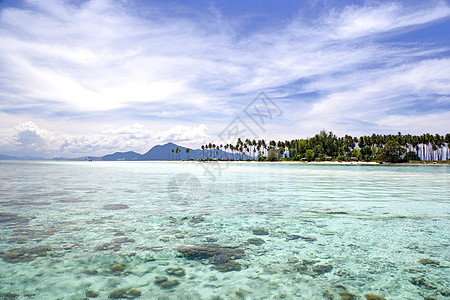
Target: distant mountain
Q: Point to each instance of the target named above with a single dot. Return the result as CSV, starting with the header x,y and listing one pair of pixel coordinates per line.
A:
x,y
158,152
130,155
7,157
164,152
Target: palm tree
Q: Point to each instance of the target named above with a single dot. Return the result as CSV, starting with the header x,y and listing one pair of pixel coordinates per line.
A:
x,y
187,153
447,141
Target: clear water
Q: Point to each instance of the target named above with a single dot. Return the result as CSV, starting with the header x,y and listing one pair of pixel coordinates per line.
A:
x,y
371,224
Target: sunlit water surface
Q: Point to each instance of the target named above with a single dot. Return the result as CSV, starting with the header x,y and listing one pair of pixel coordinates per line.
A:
x,y
72,230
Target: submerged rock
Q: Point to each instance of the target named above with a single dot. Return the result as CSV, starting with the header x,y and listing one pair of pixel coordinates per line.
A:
x,y
8,296
422,282
123,240
301,267
346,295
196,220
92,294
117,268
115,206
168,284
297,237
176,271
12,257
427,261
219,259
125,294
309,262
206,251
18,239
322,269
228,266
108,246
25,254
256,241
292,260
371,296
160,279
260,231
328,295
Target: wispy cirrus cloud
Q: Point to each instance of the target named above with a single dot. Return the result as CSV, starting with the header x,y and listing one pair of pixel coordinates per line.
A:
x,y
336,68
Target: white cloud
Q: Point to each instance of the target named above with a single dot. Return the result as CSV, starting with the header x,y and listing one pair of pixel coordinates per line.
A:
x,y
381,92
196,134
136,131
98,55
418,124
30,139
361,21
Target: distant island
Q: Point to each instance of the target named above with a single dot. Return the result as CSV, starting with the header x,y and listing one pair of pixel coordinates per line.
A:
x,y
324,146
328,147
169,151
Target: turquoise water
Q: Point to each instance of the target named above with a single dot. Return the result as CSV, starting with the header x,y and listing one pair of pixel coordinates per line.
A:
x,y
306,231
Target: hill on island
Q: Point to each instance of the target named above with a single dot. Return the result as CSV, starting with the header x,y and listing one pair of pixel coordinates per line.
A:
x,y
158,152
167,152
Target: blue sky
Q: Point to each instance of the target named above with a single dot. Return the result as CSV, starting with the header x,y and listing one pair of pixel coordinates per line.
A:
x,y
94,77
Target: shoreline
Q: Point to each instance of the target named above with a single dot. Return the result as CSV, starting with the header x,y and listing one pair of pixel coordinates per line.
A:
x,y
337,163
368,163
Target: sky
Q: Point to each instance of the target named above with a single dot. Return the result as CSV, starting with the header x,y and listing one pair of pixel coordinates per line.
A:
x,y
94,77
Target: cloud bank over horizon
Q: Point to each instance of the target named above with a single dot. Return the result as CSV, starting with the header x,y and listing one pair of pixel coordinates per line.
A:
x,y
91,77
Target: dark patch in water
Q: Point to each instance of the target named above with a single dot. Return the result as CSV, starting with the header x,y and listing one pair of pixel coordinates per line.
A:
x,y
27,203
260,231
8,296
115,206
17,255
211,239
228,266
108,246
71,200
256,241
297,237
12,221
210,250
123,240
222,257
422,282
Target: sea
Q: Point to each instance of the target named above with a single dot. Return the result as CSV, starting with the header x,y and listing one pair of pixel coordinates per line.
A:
x,y
223,230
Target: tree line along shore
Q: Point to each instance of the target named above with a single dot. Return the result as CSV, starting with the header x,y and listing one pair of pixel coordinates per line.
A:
x,y
326,146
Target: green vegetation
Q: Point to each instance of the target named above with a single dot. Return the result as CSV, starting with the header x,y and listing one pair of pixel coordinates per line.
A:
x,y
328,147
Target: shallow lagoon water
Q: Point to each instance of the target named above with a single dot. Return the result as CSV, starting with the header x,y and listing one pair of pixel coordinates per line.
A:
x,y
324,231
